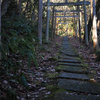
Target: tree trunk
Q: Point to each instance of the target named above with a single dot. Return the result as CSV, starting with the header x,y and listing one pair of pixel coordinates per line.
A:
x,y
40,22
91,17
74,23
52,34
0,30
47,26
20,3
55,26
77,28
90,21
95,40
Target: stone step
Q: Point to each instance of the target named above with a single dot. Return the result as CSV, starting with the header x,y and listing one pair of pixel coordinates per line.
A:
x,y
65,38
66,43
71,64
73,76
67,49
69,61
67,57
66,46
79,86
65,96
72,69
69,54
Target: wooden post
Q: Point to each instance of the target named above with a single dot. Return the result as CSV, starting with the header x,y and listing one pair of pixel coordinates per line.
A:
x,y
55,26
47,26
77,27
52,25
40,22
85,19
74,23
95,40
80,18
0,30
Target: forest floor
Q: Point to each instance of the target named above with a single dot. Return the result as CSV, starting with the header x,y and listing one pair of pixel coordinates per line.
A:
x,y
40,79
88,56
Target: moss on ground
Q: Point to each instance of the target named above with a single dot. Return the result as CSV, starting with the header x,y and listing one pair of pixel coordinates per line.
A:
x,y
51,75
52,59
53,90
51,87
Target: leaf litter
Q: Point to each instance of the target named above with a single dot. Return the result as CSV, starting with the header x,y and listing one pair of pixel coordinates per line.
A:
x,y
36,78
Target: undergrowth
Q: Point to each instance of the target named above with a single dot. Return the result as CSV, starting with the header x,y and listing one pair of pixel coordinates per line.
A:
x,y
18,45
18,49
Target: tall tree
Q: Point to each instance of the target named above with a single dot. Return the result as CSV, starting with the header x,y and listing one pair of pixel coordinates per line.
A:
x,y
90,20
74,30
0,30
91,17
95,40
52,34
40,21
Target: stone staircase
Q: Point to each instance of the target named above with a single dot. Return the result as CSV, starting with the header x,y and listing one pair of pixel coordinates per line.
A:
x,y
74,77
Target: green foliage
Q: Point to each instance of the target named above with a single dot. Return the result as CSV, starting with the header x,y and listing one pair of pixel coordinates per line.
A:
x,y
18,45
18,38
22,80
11,95
98,55
61,27
70,33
